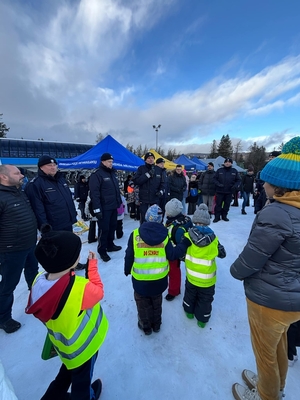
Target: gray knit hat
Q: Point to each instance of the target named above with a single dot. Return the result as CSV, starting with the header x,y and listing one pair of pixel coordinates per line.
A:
x,y
201,215
173,208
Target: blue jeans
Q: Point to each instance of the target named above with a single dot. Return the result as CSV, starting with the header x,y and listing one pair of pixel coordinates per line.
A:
x,y
11,267
246,196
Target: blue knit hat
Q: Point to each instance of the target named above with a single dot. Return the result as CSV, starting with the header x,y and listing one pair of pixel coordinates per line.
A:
x,y
284,170
154,214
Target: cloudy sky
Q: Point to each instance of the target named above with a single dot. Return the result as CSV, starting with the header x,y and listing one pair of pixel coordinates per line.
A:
x,y
72,69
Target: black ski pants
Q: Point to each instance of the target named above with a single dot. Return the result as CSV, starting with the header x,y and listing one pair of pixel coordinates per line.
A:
x,y
149,310
198,301
223,201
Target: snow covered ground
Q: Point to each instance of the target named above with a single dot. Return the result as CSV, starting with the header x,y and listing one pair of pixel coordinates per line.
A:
x,y
182,361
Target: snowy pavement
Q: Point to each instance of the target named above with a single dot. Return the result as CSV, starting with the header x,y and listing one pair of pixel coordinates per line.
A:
x,y
182,361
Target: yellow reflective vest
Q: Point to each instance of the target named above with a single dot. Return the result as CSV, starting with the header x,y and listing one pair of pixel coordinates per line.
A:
x,y
150,262
200,264
77,334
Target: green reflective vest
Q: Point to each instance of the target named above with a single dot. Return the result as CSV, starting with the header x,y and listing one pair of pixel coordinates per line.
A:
x,y
150,262
77,334
200,264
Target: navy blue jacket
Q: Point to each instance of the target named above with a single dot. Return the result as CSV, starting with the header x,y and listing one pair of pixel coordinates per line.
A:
x,y
149,187
227,180
104,189
18,227
51,201
153,234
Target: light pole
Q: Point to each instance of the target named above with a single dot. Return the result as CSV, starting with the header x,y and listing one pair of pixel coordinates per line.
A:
x,y
156,128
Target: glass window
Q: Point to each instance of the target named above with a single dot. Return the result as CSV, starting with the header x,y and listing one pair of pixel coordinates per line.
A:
x,y
4,148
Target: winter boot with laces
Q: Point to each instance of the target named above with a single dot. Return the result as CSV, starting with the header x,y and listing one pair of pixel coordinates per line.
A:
x,y
241,392
251,379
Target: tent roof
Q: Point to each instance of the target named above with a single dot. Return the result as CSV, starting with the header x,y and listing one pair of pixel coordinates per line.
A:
x,y
188,164
168,164
123,158
218,163
202,165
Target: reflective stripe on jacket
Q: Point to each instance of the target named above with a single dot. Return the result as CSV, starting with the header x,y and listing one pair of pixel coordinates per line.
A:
x,y
200,264
77,334
150,262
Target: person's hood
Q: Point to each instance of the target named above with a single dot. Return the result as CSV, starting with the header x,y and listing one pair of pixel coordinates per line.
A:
x,y
170,220
153,233
201,235
48,301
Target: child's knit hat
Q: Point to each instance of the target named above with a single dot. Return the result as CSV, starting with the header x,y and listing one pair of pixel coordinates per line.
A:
x,y
173,207
201,215
57,250
154,214
284,170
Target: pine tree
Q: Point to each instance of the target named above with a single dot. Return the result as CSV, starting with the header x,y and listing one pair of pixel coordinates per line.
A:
x,y
257,157
3,128
213,150
225,147
139,151
171,154
237,149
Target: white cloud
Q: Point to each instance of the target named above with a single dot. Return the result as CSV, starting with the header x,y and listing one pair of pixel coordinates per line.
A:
x,y
58,72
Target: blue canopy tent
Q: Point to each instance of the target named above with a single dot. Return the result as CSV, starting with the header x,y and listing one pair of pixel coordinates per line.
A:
x,y
123,158
201,166
188,164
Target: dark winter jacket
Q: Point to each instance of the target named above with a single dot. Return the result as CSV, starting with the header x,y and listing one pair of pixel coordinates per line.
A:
x,y
81,190
51,201
207,183
104,189
261,201
149,188
227,180
18,226
153,234
247,183
177,185
270,261
177,226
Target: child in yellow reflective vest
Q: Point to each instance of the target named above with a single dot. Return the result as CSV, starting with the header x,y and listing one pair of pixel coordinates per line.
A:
x,y
69,306
201,267
146,259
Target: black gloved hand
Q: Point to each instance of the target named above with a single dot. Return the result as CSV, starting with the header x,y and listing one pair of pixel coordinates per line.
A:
x,y
99,215
159,194
152,171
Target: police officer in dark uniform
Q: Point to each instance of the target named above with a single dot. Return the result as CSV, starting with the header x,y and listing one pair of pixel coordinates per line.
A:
x,y
227,181
50,197
150,180
105,198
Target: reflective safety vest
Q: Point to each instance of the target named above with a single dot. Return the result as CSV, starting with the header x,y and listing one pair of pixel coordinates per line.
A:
x,y
200,264
77,334
150,262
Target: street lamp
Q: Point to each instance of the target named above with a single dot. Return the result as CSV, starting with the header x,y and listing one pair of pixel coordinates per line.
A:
x,y
156,128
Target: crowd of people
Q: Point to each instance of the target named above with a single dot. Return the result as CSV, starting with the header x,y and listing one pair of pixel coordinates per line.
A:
x,y
69,304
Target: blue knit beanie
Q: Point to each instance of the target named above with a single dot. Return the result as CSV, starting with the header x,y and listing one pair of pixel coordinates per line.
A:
x,y
154,214
284,170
